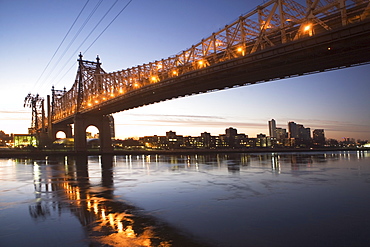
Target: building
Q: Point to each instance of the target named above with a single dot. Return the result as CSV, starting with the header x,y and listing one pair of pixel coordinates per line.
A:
x,y
5,140
230,135
293,130
263,141
318,137
299,136
272,128
173,141
281,134
24,140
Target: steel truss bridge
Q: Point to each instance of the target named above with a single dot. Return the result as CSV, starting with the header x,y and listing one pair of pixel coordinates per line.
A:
x,y
276,40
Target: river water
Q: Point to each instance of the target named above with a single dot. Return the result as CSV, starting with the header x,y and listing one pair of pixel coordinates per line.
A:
x,y
262,199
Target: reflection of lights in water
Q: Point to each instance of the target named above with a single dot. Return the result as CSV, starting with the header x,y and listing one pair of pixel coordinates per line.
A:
x,y
129,232
96,210
121,223
120,226
111,220
275,163
103,214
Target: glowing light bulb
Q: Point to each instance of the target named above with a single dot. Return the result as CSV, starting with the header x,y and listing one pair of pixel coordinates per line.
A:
x,y
307,27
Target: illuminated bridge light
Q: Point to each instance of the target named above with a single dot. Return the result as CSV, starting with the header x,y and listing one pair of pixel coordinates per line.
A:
x,y
218,43
201,64
96,101
154,79
308,29
175,73
241,50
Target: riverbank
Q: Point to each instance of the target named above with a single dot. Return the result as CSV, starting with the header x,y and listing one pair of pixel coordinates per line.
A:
x,y
8,153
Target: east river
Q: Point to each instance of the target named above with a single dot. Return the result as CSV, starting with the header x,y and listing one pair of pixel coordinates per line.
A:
x,y
262,199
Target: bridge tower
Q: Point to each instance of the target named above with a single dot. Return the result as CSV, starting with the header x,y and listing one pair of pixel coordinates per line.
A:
x,y
88,82
89,73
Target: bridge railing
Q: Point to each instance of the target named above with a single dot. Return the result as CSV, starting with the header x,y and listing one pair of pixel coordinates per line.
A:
x,y
270,24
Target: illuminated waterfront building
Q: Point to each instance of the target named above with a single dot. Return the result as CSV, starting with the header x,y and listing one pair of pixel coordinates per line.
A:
x,y
24,140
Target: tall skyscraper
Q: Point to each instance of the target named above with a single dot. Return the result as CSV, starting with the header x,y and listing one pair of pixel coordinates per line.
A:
x,y
272,128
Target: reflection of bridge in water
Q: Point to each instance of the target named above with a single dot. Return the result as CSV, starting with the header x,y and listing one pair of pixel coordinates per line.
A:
x,y
65,184
278,39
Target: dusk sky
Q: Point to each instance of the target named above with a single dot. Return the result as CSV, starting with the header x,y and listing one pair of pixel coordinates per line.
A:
x,y
149,30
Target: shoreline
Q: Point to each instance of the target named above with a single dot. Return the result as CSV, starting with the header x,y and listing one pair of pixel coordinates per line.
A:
x,y
10,153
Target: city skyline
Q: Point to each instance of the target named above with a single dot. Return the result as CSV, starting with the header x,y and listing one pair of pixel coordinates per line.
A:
x,y
336,101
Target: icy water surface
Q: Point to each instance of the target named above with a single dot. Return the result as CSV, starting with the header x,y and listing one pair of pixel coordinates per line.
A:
x,y
265,199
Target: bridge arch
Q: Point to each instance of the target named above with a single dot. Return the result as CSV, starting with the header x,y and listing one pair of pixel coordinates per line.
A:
x,y
104,124
60,135
92,131
61,128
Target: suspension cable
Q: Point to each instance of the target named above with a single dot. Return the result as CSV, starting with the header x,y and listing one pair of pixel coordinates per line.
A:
x,y
65,36
101,33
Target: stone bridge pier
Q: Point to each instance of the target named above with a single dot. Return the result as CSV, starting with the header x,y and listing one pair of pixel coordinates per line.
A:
x,y
104,123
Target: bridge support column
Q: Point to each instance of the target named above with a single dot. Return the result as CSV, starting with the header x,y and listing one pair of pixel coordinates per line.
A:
x,y
80,133
102,122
